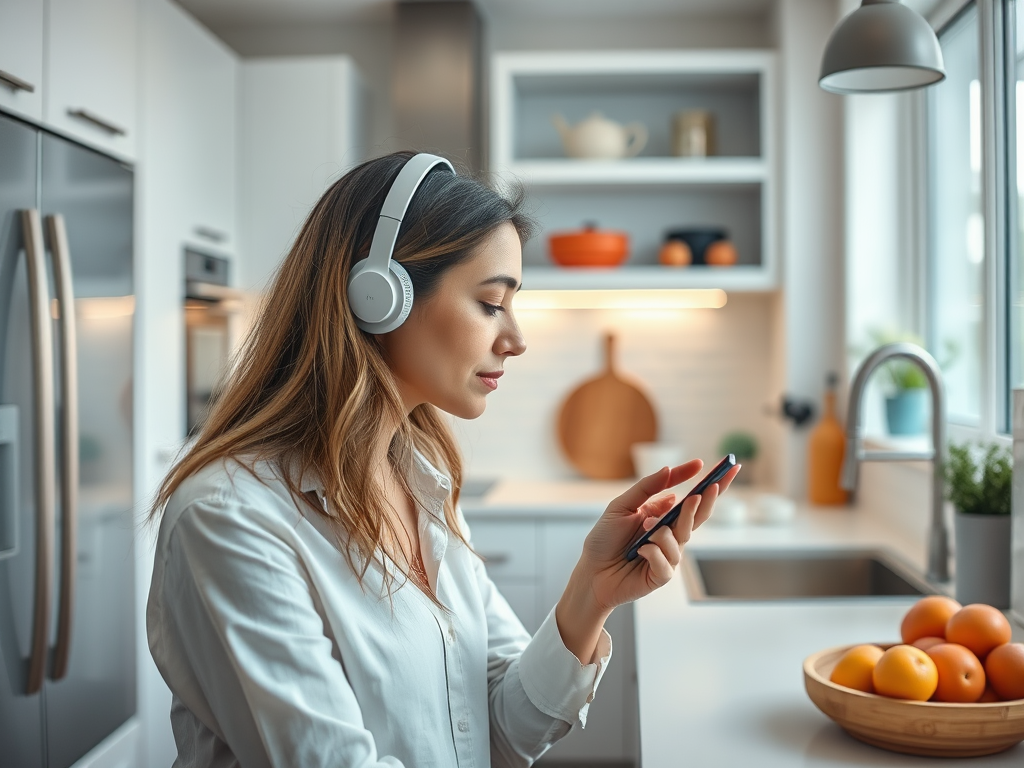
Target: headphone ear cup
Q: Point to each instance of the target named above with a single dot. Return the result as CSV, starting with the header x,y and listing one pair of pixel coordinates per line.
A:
x,y
400,278
369,290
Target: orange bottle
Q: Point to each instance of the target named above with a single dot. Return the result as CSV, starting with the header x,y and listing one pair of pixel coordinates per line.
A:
x,y
825,450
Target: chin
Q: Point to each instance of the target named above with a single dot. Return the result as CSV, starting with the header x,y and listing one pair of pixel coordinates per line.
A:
x,y
467,409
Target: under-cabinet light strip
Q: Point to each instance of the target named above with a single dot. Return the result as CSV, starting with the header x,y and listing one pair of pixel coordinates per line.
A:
x,y
685,298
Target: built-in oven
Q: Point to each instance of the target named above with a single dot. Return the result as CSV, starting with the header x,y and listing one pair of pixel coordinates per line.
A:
x,y
213,325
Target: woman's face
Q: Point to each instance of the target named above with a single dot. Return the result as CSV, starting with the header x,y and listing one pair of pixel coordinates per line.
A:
x,y
453,346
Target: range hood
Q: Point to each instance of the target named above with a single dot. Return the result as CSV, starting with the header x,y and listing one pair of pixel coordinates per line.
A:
x,y
436,87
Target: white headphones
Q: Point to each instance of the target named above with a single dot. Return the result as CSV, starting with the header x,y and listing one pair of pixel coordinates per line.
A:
x,y
379,289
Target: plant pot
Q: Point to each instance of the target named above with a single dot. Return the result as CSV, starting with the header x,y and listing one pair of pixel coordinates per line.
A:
x,y
983,559
905,411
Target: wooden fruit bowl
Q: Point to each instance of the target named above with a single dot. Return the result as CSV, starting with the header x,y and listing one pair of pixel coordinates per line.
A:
x,y
913,727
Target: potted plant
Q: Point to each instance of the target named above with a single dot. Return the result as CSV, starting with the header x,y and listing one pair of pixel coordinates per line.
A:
x,y
743,446
978,483
906,400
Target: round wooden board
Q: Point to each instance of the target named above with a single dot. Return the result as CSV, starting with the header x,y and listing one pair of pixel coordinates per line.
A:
x,y
924,728
601,419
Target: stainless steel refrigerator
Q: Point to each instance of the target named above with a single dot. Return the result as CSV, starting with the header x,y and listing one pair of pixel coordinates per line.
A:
x,y
67,613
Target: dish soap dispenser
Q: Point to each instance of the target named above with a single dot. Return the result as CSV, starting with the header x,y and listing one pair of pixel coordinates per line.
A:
x,y
825,451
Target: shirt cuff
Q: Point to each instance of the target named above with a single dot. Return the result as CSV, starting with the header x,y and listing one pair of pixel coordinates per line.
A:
x,y
558,683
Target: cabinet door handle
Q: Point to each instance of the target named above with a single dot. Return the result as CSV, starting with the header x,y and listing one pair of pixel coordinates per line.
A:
x,y
497,558
99,122
45,440
16,83
58,238
211,234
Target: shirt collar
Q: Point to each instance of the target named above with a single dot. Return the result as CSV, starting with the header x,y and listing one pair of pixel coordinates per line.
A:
x,y
426,480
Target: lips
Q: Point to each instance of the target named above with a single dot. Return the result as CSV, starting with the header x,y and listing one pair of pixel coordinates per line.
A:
x,y
490,378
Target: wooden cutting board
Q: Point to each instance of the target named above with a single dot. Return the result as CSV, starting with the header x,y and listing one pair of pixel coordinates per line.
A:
x,y
601,419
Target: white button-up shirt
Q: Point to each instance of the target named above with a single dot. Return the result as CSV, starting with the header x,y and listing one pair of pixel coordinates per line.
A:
x,y
276,657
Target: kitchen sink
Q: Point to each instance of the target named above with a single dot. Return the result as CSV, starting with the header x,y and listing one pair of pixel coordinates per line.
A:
x,y
798,574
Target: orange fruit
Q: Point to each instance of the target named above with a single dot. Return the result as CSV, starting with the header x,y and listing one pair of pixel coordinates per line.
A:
x,y
988,696
924,643
961,676
978,627
1004,666
854,668
721,253
905,672
928,618
675,253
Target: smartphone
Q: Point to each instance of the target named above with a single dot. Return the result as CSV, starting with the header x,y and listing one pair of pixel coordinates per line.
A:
x,y
669,517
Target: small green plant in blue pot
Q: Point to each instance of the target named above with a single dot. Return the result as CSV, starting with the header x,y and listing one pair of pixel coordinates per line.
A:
x,y
907,406
906,400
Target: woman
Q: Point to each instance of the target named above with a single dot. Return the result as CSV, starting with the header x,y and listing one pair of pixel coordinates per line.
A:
x,y
315,600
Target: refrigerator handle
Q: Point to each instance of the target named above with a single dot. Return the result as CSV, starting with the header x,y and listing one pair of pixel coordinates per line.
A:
x,y
58,237
45,448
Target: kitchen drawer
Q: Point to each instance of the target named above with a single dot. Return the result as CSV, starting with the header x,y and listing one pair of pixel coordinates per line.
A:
x,y
509,548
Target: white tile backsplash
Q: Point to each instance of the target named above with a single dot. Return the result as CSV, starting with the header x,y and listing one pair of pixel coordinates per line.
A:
x,y
706,372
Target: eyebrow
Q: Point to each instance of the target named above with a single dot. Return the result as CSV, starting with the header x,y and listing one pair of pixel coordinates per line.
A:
x,y
506,280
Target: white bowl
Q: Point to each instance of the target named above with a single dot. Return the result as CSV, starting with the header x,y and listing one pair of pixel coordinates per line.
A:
x,y
729,510
773,509
648,458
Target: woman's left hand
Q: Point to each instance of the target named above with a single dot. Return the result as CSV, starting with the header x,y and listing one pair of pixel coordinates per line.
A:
x,y
604,578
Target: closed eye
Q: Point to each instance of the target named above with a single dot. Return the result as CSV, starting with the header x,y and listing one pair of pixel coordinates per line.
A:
x,y
492,309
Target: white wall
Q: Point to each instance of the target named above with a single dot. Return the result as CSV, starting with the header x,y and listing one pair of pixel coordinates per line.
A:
x,y
811,219
705,371
298,132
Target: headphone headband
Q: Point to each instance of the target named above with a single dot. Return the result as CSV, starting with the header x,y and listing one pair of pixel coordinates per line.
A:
x,y
379,289
396,204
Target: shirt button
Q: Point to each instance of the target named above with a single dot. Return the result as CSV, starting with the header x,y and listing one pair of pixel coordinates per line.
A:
x,y
463,725
451,634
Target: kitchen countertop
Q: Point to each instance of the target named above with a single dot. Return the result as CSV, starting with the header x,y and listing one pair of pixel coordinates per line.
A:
x,y
721,684
562,498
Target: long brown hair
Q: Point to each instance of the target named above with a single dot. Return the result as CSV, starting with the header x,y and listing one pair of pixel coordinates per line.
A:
x,y
310,391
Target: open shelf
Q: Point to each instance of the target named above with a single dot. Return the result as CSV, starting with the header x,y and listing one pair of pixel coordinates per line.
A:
x,y
654,193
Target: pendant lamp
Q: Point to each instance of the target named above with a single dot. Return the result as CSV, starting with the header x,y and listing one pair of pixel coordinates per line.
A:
x,y
882,46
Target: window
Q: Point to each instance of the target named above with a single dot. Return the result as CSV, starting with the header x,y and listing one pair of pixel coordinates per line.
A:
x,y
1016,266
974,286
956,224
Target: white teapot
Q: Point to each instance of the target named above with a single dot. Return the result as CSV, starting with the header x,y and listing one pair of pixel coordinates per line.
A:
x,y
598,137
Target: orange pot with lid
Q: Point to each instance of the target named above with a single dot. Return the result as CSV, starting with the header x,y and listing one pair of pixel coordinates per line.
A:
x,y
589,247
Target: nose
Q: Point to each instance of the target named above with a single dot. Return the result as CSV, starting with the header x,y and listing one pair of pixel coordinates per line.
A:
x,y
511,341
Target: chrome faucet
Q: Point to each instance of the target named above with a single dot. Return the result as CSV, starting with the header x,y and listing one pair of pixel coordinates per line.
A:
x,y
938,536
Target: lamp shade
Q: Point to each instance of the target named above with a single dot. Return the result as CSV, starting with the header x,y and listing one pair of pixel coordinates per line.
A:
x,y
882,46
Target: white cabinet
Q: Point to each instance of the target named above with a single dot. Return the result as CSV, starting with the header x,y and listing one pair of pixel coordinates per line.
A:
x,y
189,107
301,127
91,70
654,193
185,184
530,560
21,57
